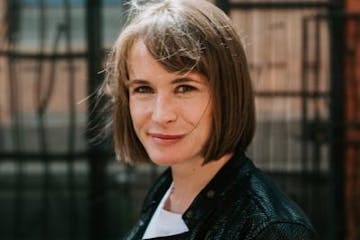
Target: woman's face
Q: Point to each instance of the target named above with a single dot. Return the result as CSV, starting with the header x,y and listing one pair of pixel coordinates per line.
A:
x,y
171,113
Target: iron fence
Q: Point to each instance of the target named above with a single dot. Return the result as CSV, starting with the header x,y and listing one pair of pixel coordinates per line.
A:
x,y
57,183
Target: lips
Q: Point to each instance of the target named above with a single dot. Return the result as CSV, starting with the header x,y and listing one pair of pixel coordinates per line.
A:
x,y
166,138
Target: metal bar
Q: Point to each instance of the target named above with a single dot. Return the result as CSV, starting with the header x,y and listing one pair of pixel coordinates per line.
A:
x,y
316,150
18,143
304,89
37,155
35,189
260,5
339,14
351,143
97,162
224,5
304,116
12,26
291,94
337,147
73,216
42,56
41,122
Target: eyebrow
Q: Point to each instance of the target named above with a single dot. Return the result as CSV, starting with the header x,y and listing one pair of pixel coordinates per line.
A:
x,y
136,81
184,80
175,81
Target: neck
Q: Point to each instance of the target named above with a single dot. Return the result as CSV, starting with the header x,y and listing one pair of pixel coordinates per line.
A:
x,y
189,179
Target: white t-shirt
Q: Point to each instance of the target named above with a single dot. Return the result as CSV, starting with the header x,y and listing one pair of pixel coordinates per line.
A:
x,y
164,223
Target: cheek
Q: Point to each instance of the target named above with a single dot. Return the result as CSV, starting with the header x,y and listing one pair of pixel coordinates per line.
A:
x,y
200,117
207,119
202,113
134,112
138,113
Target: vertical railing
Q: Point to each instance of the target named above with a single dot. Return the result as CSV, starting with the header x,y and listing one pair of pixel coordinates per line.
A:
x,y
97,162
73,216
47,64
12,22
39,153
342,126
317,134
337,104
42,101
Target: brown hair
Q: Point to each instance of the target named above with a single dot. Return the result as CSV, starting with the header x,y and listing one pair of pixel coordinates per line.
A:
x,y
185,35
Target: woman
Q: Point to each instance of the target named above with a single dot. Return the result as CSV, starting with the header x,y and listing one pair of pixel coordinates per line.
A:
x,y
183,98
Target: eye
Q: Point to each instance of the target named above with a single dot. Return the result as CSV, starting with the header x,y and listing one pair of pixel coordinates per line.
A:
x,y
185,89
142,89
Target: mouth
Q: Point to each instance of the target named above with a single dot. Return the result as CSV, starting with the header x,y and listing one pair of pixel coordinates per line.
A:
x,y
166,138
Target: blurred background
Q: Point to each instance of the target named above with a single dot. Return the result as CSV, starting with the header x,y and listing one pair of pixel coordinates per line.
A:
x,y
58,176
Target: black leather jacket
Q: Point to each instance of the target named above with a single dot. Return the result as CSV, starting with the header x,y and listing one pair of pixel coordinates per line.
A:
x,y
240,203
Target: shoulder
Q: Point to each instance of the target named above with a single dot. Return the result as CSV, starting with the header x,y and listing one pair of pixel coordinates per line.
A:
x,y
260,208
269,199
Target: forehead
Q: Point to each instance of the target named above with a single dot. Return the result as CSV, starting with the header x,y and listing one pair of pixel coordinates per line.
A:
x,y
140,61
143,66
137,50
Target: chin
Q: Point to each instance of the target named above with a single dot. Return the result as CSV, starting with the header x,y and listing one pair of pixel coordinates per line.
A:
x,y
164,160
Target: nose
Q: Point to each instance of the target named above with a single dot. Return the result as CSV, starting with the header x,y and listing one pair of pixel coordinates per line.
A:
x,y
164,110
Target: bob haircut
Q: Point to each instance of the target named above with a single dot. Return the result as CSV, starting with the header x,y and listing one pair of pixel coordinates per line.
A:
x,y
186,35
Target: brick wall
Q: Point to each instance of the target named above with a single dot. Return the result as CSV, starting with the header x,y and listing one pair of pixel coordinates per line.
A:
x,y
352,114
353,5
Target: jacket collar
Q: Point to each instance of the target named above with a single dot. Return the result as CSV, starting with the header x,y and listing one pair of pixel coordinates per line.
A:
x,y
207,200
215,191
